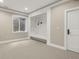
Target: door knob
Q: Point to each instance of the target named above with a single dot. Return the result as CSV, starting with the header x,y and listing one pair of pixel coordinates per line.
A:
x,y
68,31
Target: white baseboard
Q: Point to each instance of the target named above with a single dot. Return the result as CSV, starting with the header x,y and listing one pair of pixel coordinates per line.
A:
x,y
56,46
13,40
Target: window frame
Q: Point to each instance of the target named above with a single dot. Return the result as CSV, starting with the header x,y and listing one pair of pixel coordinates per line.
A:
x,y
19,24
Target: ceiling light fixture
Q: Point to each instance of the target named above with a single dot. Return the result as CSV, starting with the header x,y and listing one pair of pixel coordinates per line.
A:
x,y
26,8
1,1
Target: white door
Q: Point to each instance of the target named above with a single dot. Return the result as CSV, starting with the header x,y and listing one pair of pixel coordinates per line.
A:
x,y
73,30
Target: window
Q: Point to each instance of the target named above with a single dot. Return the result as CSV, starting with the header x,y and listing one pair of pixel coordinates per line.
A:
x,y
19,24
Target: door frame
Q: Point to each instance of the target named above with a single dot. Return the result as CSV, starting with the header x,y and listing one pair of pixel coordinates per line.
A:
x,y
66,26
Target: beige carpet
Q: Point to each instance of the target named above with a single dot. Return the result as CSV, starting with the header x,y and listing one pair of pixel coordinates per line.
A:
x,y
30,49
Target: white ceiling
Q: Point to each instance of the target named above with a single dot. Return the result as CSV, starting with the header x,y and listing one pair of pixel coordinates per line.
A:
x,y
32,5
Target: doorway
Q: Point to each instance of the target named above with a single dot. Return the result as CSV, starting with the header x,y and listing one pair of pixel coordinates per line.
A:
x,y
72,29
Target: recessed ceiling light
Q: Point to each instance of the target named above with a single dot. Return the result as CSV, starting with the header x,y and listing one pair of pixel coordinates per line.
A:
x,y
26,8
1,1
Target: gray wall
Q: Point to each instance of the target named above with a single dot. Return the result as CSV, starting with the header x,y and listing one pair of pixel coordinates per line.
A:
x,y
57,27
6,28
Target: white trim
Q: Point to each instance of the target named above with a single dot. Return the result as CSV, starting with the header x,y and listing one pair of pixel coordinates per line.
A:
x,y
13,40
48,24
65,30
12,11
28,28
72,9
65,26
56,46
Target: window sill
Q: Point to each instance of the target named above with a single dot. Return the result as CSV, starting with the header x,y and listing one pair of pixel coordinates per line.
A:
x,y
20,32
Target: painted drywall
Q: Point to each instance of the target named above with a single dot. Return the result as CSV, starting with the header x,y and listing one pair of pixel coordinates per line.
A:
x,y
57,22
6,28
